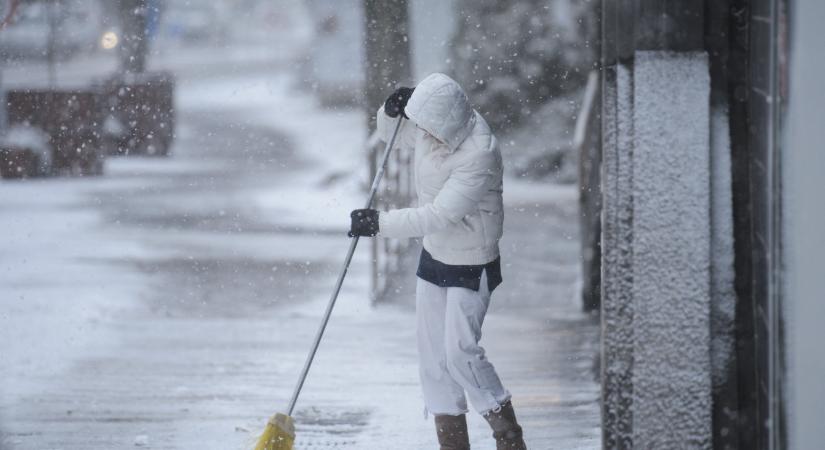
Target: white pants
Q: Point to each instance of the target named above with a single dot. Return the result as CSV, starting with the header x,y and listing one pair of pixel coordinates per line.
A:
x,y
450,360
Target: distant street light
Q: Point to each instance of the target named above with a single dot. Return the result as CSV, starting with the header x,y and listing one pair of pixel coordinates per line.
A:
x,y
109,40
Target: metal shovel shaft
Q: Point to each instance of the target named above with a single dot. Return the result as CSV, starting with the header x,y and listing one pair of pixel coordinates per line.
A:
x,y
373,190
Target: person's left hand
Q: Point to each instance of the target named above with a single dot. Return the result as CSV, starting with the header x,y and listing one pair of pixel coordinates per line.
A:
x,y
364,223
395,103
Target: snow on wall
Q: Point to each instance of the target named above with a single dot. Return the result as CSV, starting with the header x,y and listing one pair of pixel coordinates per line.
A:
x,y
723,295
671,251
617,276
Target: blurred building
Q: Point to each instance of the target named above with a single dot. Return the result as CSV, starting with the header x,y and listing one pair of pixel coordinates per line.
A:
x,y
709,172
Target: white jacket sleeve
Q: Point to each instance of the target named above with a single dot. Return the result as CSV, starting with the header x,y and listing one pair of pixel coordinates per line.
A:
x,y
460,196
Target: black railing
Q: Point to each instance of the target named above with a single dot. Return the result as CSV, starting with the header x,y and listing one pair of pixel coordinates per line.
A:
x,y
389,256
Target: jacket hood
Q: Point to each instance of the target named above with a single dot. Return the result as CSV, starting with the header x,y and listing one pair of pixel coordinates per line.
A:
x,y
440,107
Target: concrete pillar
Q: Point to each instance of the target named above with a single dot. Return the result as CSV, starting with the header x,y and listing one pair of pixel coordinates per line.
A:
x,y
668,298
617,274
671,250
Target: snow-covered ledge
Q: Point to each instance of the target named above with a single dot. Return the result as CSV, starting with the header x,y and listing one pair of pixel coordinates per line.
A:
x,y
671,251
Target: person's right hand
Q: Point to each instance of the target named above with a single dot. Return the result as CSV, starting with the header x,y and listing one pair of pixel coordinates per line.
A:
x,y
364,223
395,103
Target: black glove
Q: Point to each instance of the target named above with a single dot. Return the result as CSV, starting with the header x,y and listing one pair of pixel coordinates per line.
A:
x,y
364,223
397,101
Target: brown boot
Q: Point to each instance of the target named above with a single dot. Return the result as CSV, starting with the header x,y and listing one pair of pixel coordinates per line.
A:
x,y
452,432
506,430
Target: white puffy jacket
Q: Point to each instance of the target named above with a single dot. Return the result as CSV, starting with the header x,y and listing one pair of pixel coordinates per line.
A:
x,y
458,176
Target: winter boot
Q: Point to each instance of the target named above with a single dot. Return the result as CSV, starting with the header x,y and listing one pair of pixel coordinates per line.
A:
x,y
506,430
452,432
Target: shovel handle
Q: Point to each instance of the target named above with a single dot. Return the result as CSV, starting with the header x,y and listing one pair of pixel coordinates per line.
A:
x,y
373,190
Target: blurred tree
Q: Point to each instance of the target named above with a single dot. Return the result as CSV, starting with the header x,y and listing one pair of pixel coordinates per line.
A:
x,y
513,55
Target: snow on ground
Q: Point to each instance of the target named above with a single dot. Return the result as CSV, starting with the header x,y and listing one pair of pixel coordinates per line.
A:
x,y
170,303
54,293
331,144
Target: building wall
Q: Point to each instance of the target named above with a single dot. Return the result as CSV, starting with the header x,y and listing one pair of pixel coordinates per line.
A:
x,y
803,164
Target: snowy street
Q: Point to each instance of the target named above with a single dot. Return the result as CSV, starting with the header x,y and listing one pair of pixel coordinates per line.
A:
x,y
599,226
170,303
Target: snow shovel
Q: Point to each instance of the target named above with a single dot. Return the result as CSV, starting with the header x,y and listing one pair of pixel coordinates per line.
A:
x,y
279,433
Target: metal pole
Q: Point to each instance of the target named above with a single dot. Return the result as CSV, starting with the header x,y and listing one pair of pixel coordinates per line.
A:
x,y
375,182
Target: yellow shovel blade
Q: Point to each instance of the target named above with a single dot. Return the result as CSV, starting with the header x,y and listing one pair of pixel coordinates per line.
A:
x,y
279,434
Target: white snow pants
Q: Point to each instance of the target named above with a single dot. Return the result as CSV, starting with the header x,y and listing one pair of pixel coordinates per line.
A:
x,y
450,360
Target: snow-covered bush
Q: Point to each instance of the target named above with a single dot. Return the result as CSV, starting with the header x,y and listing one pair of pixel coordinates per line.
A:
x,y
514,55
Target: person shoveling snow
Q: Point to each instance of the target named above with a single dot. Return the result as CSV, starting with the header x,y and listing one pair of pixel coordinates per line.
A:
x,y
459,184
458,175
